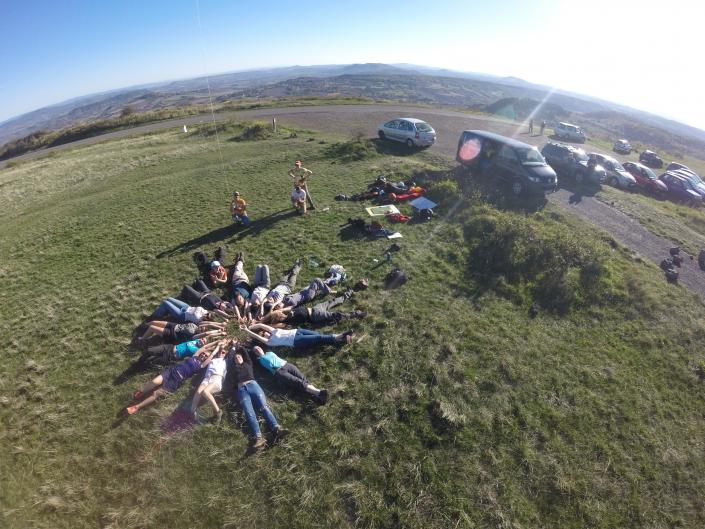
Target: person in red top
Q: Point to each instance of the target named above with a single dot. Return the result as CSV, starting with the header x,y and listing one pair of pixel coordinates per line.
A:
x,y
217,274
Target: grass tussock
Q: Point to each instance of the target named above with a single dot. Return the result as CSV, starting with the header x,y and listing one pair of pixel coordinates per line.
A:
x,y
356,149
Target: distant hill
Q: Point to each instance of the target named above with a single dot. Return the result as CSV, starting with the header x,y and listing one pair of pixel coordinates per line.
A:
x,y
508,96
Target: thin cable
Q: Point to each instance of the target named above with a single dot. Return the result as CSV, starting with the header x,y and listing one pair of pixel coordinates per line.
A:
x,y
208,84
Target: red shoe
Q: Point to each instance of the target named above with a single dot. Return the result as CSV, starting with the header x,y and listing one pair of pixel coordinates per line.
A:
x,y
131,410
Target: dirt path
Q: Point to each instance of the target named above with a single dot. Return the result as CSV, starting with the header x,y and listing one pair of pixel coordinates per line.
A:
x,y
364,119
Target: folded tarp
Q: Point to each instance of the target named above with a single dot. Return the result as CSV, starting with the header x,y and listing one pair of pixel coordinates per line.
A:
x,y
423,203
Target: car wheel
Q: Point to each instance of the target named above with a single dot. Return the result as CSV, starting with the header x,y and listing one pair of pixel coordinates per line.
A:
x,y
410,143
517,187
613,182
381,135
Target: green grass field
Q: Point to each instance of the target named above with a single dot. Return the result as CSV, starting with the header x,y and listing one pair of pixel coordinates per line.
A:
x,y
453,408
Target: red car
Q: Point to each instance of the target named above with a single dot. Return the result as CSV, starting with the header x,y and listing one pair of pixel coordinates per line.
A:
x,y
645,178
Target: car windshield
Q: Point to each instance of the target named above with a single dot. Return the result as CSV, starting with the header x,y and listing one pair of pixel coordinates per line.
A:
x,y
649,173
580,156
530,157
423,127
617,166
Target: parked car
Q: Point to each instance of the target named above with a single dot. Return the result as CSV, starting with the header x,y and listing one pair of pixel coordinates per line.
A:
x,y
674,166
622,147
680,189
645,178
572,162
695,180
506,159
651,159
616,175
412,131
569,132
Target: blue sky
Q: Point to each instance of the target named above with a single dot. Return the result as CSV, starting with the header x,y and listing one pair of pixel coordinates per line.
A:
x,y
646,54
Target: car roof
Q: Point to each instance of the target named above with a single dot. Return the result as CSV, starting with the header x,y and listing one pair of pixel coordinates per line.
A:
x,y
622,141
569,124
412,120
511,142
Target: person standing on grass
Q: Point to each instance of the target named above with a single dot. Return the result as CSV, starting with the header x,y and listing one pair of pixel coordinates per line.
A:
x,y
288,374
169,381
531,126
300,175
298,199
543,126
238,210
251,397
296,338
212,384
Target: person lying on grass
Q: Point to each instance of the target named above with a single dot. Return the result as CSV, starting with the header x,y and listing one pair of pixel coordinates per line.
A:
x,y
180,332
284,288
296,338
170,353
212,383
251,397
260,289
169,381
198,294
288,374
240,285
184,313
319,314
304,295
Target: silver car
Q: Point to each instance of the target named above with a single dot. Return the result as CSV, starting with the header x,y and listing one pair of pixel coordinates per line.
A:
x,y
617,176
413,132
569,132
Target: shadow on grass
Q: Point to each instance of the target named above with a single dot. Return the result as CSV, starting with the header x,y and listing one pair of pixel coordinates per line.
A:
x,y
234,231
394,148
144,363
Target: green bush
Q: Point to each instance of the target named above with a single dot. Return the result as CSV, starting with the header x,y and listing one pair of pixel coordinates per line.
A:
x,y
359,148
541,258
444,193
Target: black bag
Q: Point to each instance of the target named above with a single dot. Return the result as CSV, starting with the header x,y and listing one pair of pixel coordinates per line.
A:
x,y
395,279
426,214
362,284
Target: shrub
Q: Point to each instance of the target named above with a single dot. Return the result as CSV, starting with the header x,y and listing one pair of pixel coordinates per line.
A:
x,y
359,148
252,131
445,192
544,259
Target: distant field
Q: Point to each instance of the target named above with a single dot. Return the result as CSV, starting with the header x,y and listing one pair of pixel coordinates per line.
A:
x,y
454,408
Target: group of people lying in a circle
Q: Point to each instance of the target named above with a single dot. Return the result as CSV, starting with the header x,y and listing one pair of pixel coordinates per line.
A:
x,y
192,335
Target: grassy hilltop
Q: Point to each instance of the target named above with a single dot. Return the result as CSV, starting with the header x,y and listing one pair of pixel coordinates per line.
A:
x,y
454,409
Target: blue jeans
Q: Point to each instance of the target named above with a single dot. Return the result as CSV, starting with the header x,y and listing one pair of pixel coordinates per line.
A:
x,y
307,338
251,394
241,218
171,307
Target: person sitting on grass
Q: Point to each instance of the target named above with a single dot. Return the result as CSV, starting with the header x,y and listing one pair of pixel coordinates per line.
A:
x,y
199,294
211,384
251,397
180,332
169,381
238,210
288,374
296,338
184,313
298,200
169,353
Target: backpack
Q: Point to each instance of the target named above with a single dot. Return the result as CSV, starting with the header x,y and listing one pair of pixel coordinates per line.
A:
x,y
426,214
395,278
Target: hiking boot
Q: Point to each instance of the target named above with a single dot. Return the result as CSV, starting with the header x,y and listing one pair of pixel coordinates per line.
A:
x,y
322,396
346,337
258,442
348,294
280,433
359,314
